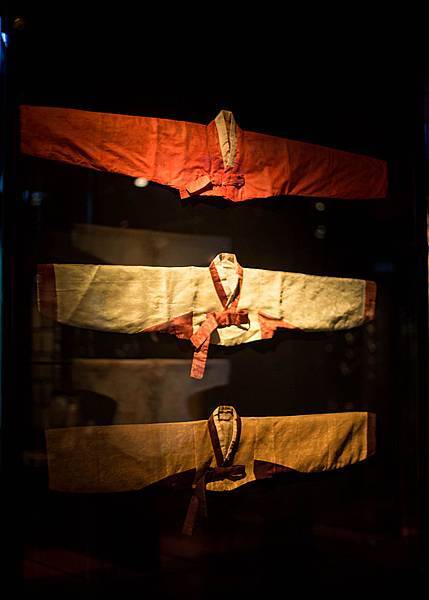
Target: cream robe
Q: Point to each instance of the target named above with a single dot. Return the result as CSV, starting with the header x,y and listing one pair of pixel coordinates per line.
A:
x,y
223,304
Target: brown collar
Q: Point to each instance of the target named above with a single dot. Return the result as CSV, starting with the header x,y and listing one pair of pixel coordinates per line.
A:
x,y
224,427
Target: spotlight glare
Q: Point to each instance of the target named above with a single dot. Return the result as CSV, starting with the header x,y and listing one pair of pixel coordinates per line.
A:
x,y
141,182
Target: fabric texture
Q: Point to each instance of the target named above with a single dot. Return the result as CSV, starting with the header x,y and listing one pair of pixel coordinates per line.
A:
x,y
223,304
218,159
224,452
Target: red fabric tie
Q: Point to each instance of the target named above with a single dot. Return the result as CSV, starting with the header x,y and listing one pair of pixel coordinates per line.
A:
x,y
201,339
217,180
198,502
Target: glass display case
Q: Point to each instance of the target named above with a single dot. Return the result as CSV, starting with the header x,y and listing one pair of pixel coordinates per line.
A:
x,y
326,522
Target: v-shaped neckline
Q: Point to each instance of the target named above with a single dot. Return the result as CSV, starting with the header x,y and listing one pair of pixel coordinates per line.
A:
x,y
226,127
228,293
225,429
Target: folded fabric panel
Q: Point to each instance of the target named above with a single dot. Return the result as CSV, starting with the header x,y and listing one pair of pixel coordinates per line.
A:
x,y
144,390
127,246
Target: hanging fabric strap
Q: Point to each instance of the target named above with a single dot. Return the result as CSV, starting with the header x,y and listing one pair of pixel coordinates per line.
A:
x,y
201,339
198,503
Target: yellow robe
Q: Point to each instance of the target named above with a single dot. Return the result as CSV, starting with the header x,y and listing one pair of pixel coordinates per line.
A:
x,y
224,452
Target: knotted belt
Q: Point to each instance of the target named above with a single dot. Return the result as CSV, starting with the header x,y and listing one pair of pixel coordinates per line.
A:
x,y
198,503
201,339
216,180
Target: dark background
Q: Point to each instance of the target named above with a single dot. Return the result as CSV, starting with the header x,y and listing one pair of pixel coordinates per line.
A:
x,y
362,527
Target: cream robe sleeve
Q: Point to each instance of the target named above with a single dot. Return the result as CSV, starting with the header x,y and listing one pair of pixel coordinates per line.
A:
x,y
116,298
311,302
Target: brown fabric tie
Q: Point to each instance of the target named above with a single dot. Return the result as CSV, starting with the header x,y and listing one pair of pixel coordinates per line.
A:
x,y
198,502
201,339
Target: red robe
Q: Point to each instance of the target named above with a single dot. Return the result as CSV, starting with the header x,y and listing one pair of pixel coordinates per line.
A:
x,y
218,159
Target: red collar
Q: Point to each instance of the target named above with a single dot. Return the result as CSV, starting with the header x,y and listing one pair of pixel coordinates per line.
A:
x,y
223,297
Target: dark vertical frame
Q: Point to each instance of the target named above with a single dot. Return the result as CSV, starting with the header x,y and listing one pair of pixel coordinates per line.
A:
x,y
16,323
421,220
